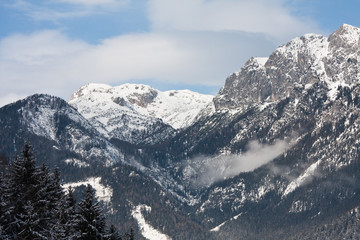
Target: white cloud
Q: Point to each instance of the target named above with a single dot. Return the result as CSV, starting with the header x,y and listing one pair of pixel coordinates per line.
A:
x,y
37,63
96,2
50,62
57,10
41,12
191,42
39,48
180,57
254,16
207,170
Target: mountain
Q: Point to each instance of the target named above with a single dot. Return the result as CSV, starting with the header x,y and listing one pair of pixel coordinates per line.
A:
x,y
50,121
306,94
274,155
305,60
137,113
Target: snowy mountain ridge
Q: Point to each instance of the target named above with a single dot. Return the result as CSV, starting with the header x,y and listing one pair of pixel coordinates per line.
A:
x,y
137,107
302,61
52,118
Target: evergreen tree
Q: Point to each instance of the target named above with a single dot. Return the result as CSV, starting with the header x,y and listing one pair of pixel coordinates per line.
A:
x,y
90,221
19,192
2,206
55,196
43,203
55,187
28,199
47,200
67,216
112,234
30,223
131,235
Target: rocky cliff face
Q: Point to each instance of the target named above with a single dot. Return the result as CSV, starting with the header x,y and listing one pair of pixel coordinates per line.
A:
x,y
302,61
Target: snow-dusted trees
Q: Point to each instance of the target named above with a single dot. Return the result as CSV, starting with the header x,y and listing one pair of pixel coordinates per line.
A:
x,y
66,215
90,220
33,205
112,234
22,203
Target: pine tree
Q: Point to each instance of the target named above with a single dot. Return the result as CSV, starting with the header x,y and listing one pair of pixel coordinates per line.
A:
x,y
19,192
2,206
28,199
90,221
113,234
43,202
66,216
131,235
30,223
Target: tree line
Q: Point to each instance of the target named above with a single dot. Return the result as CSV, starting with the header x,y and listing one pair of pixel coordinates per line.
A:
x,y
33,205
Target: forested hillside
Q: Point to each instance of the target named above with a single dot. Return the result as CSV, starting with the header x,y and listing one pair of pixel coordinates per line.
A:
x,y
33,205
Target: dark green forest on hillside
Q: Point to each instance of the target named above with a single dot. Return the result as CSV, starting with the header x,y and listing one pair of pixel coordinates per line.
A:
x,y
33,205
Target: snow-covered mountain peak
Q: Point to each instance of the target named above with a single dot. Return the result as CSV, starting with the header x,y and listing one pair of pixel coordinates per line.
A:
x,y
346,35
90,88
314,45
256,62
253,64
143,106
332,60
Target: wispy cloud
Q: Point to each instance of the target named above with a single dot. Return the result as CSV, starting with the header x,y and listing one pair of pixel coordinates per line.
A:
x,y
50,62
39,48
57,10
190,42
204,171
96,2
273,18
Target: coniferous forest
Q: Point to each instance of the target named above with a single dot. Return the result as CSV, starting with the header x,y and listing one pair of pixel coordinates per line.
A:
x,y
33,205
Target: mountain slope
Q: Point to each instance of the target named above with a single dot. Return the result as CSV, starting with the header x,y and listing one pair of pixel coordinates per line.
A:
x,y
45,119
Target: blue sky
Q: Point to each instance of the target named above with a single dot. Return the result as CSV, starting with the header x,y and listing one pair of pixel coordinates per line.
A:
x,y
57,46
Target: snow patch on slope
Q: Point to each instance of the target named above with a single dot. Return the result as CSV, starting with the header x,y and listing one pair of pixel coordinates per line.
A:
x,y
217,228
309,172
146,229
76,162
261,60
102,193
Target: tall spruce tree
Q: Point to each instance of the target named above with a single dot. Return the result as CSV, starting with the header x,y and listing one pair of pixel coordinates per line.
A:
x,y
29,197
2,206
19,192
113,234
130,235
67,216
29,221
90,221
